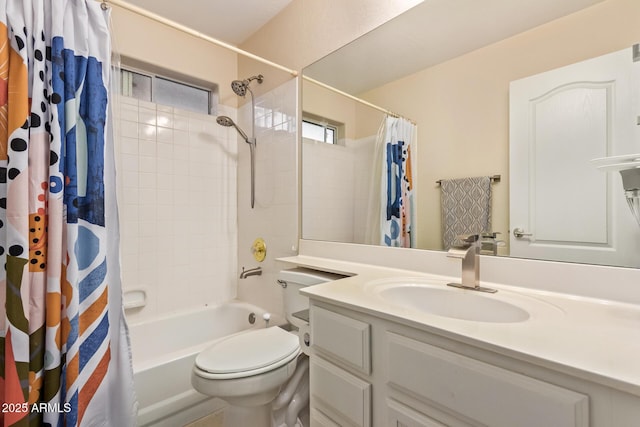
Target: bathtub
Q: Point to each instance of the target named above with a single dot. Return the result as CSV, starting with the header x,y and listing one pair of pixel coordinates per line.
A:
x,y
164,351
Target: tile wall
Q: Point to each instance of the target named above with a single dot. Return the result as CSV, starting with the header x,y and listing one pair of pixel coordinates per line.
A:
x,y
177,200
339,192
275,216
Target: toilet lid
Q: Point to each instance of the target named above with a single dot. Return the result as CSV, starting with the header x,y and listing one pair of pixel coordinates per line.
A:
x,y
249,351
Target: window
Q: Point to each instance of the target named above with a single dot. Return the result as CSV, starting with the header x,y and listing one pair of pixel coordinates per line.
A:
x,y
153,88
318,131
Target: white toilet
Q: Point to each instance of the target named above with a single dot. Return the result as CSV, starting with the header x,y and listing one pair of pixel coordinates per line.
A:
x,y
248,370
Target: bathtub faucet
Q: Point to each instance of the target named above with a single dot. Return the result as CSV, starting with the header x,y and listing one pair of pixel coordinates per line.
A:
x,y
251,272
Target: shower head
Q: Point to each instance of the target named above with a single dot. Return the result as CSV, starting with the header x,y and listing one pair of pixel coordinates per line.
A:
x,y
240,87
227,122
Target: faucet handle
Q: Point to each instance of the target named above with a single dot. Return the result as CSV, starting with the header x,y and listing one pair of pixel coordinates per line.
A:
x,y
468,238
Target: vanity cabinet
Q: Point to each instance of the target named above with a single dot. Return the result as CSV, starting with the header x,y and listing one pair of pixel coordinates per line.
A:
x,y
371,371
341,346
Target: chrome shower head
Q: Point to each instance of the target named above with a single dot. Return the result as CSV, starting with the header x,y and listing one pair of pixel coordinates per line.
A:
x,y
227,122
240,87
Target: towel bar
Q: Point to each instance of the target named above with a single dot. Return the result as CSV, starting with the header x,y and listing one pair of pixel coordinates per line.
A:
x,y
494,178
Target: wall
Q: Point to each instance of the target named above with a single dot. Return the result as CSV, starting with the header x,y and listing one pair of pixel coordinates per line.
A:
x,y
275,215
307,30
177,202
176,54
462,106
177,175
335,185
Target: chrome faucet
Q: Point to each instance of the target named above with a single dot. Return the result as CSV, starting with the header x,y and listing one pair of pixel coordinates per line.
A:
x,y
469,252
251,272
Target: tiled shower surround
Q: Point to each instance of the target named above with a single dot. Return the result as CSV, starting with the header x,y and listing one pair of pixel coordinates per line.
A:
x,y
177,197
183,192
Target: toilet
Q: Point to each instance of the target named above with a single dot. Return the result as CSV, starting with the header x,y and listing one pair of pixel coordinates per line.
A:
x,y
248,370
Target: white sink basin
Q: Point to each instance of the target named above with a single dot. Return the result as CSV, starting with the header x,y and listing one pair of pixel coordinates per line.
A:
x,y
434,297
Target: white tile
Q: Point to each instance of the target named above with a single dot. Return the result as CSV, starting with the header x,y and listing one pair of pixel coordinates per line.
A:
x,y
127,100
147,132
128,112
147,104
180,123
147,164
164,150
147,116
129,145
165,166
148,197
147,180
165,118
164,134
147,148
165,180
128,129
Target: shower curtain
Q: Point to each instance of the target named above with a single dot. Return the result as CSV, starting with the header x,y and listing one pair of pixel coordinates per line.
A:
x,y
63,344
391,219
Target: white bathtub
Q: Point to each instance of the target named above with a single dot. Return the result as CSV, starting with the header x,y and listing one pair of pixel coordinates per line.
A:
x,y
163,354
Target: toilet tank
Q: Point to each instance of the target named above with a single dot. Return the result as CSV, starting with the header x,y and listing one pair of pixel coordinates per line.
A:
x,y
295,278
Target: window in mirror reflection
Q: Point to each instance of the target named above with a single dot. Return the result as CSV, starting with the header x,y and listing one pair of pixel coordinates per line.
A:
x,y
320,131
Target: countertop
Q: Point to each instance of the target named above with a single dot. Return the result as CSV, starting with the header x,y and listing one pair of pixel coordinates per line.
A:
x,y
594,339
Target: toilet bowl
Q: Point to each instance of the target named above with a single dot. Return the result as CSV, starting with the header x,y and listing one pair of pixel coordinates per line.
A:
x,y
248,369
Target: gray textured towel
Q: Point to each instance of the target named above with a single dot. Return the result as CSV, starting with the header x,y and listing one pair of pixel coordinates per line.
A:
x,y
466,208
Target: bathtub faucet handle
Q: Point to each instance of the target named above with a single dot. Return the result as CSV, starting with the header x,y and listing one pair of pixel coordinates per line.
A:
x,y
266,317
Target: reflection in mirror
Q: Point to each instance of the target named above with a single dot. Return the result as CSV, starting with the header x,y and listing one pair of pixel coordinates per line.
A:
x,y
484,82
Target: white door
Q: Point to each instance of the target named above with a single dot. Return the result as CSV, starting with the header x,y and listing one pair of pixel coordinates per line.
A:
x,y
561,207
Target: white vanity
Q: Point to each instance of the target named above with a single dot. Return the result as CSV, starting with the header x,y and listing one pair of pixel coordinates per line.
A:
x,y
398,348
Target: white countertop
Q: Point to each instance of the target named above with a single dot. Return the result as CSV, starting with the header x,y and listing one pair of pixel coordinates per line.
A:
x,y
594,339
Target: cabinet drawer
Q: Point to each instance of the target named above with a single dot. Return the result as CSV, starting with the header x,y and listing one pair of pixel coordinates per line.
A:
x,y
341,337
403,416
485,393
339,396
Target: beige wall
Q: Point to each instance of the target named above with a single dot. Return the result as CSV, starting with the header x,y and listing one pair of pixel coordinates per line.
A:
x,y
462,106
307,30
359,120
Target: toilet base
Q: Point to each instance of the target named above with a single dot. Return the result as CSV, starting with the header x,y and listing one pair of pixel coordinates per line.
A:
x,y
255,416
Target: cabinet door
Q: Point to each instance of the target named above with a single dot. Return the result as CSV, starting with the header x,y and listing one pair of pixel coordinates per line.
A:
x,y
338,396
342,338
478,391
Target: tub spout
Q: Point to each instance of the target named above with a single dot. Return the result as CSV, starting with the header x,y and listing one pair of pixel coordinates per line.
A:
x,y
251,272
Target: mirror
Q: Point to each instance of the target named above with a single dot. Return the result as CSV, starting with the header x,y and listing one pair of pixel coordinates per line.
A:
x,y
448,65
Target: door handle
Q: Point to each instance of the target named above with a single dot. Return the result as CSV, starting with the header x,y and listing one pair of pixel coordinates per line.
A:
x,y
519,233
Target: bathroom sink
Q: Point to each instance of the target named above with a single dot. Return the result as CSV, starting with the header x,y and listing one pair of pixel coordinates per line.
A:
x,y
434,297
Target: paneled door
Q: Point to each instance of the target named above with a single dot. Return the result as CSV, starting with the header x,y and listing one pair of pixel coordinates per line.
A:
x,y
561,207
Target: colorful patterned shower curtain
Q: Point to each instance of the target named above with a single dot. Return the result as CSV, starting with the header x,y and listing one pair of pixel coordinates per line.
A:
x,y
64,347
393,201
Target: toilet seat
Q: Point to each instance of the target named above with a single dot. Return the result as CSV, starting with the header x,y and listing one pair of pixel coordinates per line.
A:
x,y
248,353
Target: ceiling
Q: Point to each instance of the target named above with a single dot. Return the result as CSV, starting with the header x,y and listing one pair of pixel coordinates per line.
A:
x,y
430,33
231,21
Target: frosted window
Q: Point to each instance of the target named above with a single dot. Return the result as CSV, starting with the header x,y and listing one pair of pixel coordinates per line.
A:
x,y
167,92
136,85
319,132
180,95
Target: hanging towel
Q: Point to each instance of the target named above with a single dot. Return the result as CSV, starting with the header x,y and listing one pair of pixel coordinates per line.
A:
x,y
466,208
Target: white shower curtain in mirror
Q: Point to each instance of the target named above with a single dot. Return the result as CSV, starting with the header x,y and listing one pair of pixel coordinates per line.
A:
x,y
391,219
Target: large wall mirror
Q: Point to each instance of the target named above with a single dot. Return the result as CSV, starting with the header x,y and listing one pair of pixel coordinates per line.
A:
x,y
532,91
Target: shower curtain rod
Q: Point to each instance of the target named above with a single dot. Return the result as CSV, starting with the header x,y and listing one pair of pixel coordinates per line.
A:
x,y
355,98
147,14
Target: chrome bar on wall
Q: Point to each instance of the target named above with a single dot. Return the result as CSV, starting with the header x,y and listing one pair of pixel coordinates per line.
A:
x,y
162,20
494,178
354,98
